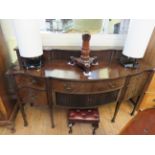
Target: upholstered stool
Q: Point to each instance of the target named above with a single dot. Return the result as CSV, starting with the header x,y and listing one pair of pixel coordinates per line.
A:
x,y
85,116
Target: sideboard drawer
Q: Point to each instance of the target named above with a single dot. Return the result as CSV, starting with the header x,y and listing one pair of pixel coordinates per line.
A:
x,y
148,101
31,82
87,87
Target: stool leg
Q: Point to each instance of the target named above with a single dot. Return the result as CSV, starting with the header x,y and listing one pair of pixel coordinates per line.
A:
x,y
95,125
12,127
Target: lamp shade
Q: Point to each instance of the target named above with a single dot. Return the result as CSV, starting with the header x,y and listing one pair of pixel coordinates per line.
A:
x,y
138,37
28,38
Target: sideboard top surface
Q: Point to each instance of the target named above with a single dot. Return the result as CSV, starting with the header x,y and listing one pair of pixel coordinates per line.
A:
x,y
60,69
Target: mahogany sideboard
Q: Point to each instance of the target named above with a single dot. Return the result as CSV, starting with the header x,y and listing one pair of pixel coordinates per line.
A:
x,y
57,83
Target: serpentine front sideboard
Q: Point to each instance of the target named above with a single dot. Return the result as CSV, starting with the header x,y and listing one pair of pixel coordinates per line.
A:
x,y
57,83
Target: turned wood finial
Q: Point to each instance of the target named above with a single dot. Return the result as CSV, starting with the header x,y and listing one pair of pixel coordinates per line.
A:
x,y
85,46
85,61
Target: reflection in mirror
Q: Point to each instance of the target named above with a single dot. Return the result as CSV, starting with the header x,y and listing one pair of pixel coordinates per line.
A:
x,y
106,26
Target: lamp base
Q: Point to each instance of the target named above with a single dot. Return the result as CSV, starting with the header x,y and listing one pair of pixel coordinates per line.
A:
x,y
129,62
84,64
32,63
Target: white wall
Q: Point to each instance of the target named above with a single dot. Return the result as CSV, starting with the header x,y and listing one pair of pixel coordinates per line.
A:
x,y
9,36
58,39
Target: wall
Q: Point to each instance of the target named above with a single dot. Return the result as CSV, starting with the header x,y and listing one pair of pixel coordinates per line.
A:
x,y
9,36
58,39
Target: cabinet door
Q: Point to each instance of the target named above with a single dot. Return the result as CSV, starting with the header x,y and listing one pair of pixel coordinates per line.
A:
x,y
31,89
36,97
83,100
136,85
3,112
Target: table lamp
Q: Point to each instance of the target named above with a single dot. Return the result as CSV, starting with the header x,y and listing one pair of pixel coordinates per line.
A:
x,y
29,42
87,27
138,37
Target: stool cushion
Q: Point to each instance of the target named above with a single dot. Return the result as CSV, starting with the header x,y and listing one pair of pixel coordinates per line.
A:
x,y
84,115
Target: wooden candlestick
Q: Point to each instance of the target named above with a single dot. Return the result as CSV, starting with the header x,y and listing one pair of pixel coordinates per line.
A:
x,y
85,61
85,47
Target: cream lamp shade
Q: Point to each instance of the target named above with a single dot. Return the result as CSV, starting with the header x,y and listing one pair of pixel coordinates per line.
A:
x,y
28,38
138,37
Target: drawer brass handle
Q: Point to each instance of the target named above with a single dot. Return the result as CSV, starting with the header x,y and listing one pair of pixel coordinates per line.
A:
x,y
67,87
33,81
33,97
153,100
111,85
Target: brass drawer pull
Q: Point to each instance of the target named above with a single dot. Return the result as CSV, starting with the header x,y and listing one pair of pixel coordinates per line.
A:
x,y
33,97
67,87
153,100
33,81
111,85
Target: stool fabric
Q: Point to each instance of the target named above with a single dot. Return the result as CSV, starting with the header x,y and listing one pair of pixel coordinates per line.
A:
x,y
85,116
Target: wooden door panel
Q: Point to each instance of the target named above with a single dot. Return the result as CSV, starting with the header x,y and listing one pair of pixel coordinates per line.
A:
x,y
33,96
136,85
